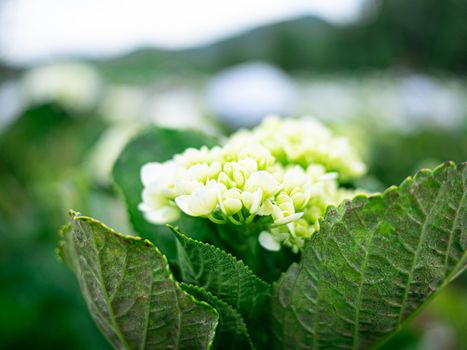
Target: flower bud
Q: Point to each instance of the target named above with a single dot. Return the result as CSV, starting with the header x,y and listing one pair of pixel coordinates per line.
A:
x,y
224,179
285,203
248,165
303,229
267,208
231,202
260,154
192,156
294,177
199,172
200,203
299,200
252,200
262,180
238,178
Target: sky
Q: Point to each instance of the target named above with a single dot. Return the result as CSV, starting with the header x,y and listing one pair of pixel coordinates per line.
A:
x,y
36,30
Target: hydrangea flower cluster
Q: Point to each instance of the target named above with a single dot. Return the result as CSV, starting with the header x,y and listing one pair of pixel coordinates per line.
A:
x,y
283,170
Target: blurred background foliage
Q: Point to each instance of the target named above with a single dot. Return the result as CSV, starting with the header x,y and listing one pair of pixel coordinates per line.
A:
x,y
394,81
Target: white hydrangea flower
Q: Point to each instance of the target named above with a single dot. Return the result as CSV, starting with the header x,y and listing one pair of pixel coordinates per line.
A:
x,y
286,170
74,85
304,141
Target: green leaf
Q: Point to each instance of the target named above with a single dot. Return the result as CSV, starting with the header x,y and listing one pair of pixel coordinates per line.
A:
x,y
157,145
374,263
231,332
130,291
221,274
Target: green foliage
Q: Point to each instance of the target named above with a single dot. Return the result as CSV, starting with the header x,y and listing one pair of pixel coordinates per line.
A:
x,y
130,291
46,140
394,155
221,274
232,332
39,153
374,263
156,145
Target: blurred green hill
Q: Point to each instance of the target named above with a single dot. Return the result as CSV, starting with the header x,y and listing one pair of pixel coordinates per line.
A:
x,y
423,35
308,36
429,35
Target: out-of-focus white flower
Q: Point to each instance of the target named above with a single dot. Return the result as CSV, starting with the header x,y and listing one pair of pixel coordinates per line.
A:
x,y
179,108
272,172
76,86
123,104
241,96
332,99
424,100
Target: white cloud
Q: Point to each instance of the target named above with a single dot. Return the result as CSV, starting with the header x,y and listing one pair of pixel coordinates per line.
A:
x,y
40,29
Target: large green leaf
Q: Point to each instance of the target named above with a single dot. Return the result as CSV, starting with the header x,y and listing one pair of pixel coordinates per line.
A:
x,y
374,263
221,274
156,145
231,332
130,292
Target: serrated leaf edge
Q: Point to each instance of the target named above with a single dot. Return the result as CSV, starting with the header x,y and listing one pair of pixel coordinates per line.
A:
x,y
76,216
363,199
227,305
242,265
